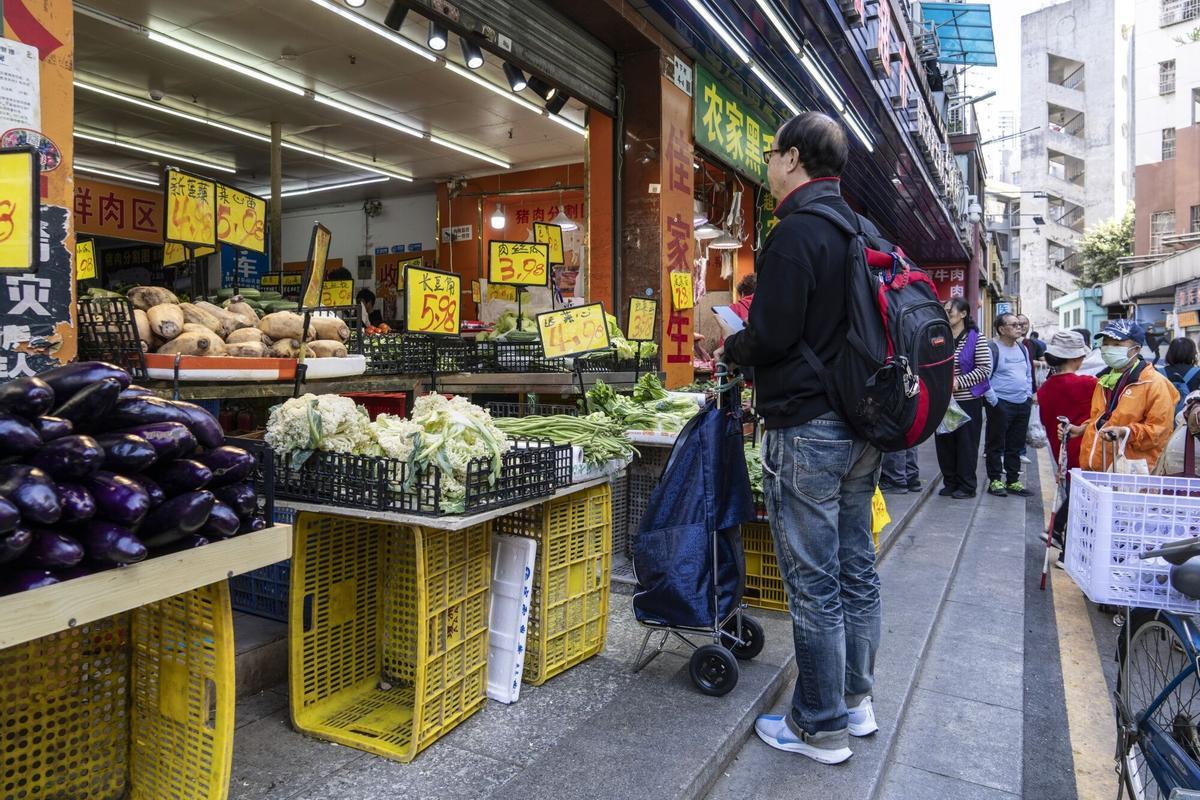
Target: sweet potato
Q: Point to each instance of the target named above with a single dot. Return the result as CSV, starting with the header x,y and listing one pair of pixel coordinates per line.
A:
x,y
229,322
193,327
244,311
328,348
330,328
192,344
283,325
145,332
197,315
147,297
247,350
166,320
248,336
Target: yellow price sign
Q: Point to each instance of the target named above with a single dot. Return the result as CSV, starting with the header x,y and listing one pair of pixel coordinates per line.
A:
x,y
640,321
20,209
175,253
292,280
573,331
314,271
475,295
191,211
519,263
270,280
508,293
402,266
241,219
431,301
681,291
337,293
550,234
85,260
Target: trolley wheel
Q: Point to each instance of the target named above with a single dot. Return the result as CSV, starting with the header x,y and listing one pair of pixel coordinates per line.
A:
x,y
752,636
714,670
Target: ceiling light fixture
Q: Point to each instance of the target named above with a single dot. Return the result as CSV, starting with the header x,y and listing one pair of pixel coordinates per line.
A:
x,y
516,78
486,84
816,70
375,28
471,53
112,173
556,104
395,16
498,220
370,116
777,21
541,88
437,37
308,151
856,127
562,220
726,36
725,241
356,3
791,104
138,147
242,69
331,187
566,123
463,149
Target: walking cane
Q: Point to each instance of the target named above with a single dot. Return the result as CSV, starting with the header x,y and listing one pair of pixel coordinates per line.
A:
x,y
1059,481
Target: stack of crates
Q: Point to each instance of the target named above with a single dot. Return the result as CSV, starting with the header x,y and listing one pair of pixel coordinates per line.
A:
x,y
568,614
136,705
644,473
263,592
764,584
387,631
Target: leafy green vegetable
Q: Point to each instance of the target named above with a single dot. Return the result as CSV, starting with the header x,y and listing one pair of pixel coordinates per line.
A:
x,y
667,415
754,467
601,437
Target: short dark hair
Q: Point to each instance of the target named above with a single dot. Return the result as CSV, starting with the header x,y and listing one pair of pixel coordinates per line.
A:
x,y
1181,351
963,307
820,141
747,285
1034,335
365,296
1054,361
1000,321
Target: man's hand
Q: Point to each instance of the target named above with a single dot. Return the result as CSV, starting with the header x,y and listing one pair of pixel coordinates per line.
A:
x,y
1115,433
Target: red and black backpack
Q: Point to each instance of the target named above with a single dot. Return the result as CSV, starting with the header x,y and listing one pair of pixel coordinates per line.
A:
x,y
893,381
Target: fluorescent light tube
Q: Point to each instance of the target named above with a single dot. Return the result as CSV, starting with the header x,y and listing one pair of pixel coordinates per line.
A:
x,y
777,21
369,116
249,72
330,187
719,29
500,90
112,173
140,148
377,29
463,149
775,90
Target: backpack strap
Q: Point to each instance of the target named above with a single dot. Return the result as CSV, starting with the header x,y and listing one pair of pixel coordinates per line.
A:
x,y
829,215
995,356
1187,378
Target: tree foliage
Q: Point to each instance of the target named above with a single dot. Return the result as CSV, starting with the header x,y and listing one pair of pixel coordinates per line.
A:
x,y
1101,248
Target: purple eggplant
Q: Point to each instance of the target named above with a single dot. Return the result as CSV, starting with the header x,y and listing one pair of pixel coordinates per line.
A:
x,y
241,497
14,543
52,550
125,452
10,516
189,541
147,409
22,580
51,428
170,440
223,522
157,495
253,524
77,502
180,515
70,378
228,464
17,436
135,391
69,457
182,475
204,426
107,543
87,407
119,499
32,491
28,397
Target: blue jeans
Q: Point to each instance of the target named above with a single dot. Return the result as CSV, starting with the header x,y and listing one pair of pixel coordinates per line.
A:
x,y
818,481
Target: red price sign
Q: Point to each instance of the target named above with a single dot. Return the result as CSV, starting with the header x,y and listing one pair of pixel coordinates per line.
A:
x,y
573,331
432,301
519,263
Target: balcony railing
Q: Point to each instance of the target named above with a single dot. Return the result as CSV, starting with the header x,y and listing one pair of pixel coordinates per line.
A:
x,y
1072,219
1070,263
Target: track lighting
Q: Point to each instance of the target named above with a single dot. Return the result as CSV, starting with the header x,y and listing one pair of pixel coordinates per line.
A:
x,y
356,3
395,16
516,78
472,55
556,104
437,37
541,88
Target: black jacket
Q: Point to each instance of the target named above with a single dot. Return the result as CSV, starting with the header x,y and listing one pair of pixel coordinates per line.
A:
x,y
801,296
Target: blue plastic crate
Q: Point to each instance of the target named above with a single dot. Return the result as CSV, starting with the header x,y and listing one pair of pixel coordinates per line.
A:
x,y
263,592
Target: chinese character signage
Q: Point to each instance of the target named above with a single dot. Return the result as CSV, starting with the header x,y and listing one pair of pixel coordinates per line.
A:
x,y
678,244
573,331
1187,296
106,209
175,253
682,296
241,219
519,263
335,294
191,215
85,260
950,282
242,268
640,321
314,270
551,235
723,127
432,301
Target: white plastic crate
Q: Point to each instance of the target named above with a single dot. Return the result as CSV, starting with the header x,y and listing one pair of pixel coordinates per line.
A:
x,y
513,559
1114,518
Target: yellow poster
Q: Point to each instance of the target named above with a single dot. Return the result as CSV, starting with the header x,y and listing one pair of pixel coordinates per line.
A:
x,y
681,291
318,254
642,311
191,211
431,299
85,260
519,263
270,281
175,253
241,219
550,234
572,331
337,293
18,210
508,293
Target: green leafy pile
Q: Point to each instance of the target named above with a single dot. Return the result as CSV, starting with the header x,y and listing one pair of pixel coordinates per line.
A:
x,y
754,467
651,408
600,436
511,329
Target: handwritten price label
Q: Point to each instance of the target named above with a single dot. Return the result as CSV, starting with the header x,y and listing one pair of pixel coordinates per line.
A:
x,y
431,299
572,331
292,280
85,260
314,272
519,263
190,209
19,188
681,291
640,322
241,219
175,253
337,293
508,293
270,281
551,235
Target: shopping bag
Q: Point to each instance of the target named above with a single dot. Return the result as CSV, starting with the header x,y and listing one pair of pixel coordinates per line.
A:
x,y
955,418
879,512
1035,435
1128,466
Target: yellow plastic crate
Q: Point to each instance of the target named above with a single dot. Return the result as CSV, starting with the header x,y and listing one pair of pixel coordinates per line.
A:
x,y
568,613
388,628
764,584
137,706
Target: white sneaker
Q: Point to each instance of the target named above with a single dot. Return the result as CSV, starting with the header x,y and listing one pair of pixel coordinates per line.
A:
x,y
826,747
1025,459
862,718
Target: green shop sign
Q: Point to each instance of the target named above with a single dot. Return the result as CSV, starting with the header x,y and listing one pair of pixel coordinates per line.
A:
x,y
728,130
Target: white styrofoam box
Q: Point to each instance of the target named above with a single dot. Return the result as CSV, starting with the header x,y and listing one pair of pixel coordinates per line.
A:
x,y
653,438
586,472
512,584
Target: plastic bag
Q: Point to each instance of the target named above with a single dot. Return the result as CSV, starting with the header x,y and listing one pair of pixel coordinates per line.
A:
x,y
1035,436
955,418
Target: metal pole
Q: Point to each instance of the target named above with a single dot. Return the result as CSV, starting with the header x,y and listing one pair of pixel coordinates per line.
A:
x,y
276,200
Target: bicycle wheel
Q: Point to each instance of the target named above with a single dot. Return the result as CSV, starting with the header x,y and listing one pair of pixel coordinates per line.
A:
x,y
1156,655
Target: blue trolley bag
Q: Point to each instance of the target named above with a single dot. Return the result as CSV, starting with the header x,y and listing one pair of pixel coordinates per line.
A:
x,y
703,490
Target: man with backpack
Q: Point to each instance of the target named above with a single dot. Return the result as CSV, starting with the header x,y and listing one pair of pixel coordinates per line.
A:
x,y
1008,418
814,298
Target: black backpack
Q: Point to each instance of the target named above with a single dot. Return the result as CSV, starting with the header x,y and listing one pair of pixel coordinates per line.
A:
x,y
893,380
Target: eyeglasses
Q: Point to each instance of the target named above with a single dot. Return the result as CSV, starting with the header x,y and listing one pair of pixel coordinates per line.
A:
x,y
770,153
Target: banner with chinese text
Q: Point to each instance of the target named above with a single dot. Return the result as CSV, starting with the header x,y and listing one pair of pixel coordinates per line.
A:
x,y
724,127
678,244
950,281
109,209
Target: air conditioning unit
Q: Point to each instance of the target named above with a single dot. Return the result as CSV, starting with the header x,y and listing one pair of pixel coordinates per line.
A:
x,y
852,12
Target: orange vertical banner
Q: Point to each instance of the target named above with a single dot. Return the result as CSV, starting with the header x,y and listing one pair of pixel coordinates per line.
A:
x,y
678,243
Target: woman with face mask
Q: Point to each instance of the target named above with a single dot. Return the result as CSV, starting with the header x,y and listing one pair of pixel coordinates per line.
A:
x,y
1132,401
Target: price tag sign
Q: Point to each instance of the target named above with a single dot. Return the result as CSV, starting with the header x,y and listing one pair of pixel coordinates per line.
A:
x,y
292,280
190,209
85,260
681,291
175,253
573,331
270,281
337,293
550,234
403,267
431,298
508,293
519,263
314,270
475,296
20,208
641,318
241,219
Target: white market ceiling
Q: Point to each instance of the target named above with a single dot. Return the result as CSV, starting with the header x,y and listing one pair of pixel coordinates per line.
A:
x,y
309,46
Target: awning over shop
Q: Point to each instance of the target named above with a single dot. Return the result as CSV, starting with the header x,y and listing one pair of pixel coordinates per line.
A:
x,y
964,32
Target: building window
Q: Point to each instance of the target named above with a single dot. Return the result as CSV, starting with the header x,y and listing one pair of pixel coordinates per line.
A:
x,y
1168,144
1196,106
1053,294
1076,317
1175,11
1194,222
1162,223
1166,76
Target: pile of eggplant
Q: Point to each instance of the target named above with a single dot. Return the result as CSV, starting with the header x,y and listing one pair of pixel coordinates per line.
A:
x,y
96,473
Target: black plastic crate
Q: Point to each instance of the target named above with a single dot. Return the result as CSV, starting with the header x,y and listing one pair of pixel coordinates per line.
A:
x,y
524,357
108,332
499,409
398,354
264,473
454,355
